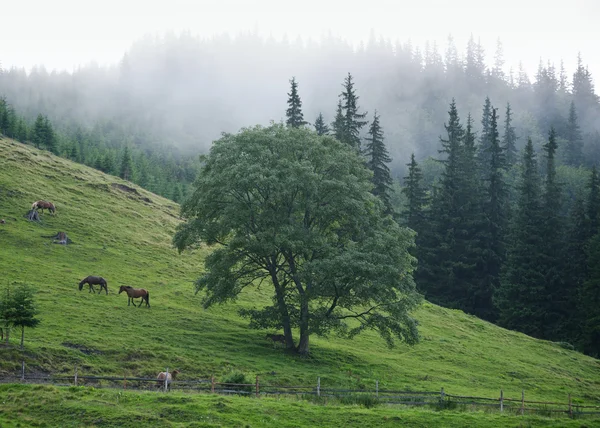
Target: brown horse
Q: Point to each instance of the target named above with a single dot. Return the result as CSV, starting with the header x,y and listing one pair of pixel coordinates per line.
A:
x,y
94,280
134,293
160,379
40,205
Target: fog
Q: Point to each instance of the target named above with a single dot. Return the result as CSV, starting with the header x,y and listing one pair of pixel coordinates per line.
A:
x,y
208,67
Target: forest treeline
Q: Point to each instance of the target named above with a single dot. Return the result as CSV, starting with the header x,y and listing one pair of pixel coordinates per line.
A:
x,y
505,202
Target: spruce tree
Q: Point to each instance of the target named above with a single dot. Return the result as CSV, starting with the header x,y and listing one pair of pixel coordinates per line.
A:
x,y
484,142
593,203
416,197
496,201
338,122
589,305
39,132
295,118
320,125
509,139
377,159
50,137
126,170
553,244
574,151
520,298
353,122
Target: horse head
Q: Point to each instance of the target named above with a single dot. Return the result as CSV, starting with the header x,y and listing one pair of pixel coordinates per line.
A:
x,y
81,285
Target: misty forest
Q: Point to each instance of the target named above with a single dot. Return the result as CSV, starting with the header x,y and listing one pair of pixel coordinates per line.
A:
x,y
494,170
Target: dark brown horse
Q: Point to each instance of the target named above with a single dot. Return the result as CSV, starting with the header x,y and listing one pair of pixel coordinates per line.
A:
x,y
134,293
40,205
94,280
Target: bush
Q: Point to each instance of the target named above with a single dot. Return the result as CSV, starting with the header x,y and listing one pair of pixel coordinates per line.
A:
x,y
365,400
237,377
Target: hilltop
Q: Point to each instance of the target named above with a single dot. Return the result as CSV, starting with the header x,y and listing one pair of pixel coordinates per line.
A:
x,y
123,233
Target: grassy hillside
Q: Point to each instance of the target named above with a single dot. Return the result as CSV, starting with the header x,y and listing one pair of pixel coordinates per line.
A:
x,y
125,237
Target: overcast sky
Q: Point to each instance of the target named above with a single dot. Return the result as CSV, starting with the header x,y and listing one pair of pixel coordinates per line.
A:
x,y
62,34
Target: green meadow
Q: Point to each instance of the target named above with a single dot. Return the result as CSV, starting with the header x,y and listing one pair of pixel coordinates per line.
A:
x,y
123,233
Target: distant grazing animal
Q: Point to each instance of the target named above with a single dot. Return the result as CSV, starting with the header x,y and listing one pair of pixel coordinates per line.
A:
x,y
276,338
40,205
160,379
134,293
94,280
2,221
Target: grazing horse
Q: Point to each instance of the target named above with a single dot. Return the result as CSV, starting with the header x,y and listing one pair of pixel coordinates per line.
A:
x,y
134,293
43,204
160,379
94,280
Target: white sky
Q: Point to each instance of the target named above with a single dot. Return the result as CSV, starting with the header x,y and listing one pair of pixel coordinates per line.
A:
x,y
65,33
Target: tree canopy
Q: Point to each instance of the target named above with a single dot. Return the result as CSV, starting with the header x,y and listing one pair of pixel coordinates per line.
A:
x,y
290,208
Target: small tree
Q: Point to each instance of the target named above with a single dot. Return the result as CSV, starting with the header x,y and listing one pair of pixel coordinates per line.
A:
x,y
295,118
320,125
17,310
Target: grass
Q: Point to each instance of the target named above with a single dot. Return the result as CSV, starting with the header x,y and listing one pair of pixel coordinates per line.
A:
x,y
127,239
49,406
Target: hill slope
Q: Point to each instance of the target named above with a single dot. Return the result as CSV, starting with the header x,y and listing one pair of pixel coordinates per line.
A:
x,y
125,235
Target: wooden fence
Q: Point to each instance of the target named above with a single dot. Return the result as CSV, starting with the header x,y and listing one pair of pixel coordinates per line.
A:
x,y
438,399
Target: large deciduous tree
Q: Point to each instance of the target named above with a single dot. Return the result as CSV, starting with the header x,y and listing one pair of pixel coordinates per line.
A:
x,y
290,208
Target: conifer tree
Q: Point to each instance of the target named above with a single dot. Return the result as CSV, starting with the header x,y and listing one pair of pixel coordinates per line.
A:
x,y
484,143
495,210
320,125
338,122
126,171
377,160
520,298
416,197
590,301
553,244
509,139
295,118
593,203
39,132
573,152
50,137
352,118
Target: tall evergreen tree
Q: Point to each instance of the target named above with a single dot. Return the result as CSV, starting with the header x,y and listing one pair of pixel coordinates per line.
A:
x,y
416,197
320,125
377,159
295,118
50,137
353,120
553,244
574,150
509,139
39,132
338,122
126,170
520,298
484,141
496,201
589,305
593,203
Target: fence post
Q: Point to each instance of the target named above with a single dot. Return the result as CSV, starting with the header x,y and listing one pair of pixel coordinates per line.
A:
x,y
75,380
570,407
124,380
318,387
442,396
522,402
377,388
23,370
256,386
501,401
212,384
166,378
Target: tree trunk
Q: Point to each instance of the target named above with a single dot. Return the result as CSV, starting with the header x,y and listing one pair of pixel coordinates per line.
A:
x,y
285,316
22,336
304,333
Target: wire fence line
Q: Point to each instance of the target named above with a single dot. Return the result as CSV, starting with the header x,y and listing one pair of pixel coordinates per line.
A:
x,y
435,399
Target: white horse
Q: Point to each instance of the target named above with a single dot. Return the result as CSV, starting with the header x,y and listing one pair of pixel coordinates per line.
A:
x,y
160,379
